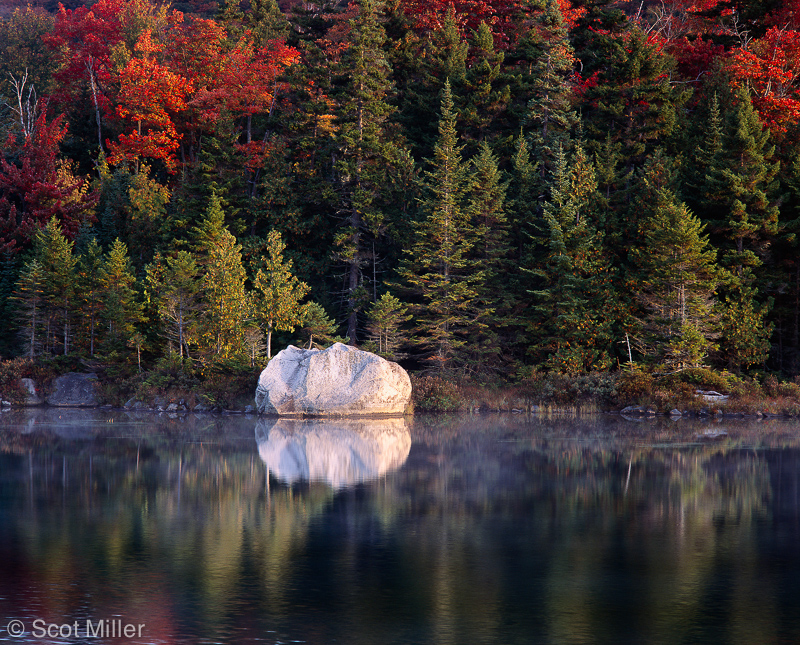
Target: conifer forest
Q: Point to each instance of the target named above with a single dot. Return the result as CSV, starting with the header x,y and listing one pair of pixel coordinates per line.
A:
x,y
481,188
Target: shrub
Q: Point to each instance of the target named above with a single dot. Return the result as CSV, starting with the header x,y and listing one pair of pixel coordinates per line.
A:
x,y
11,372
435,394
230,384
634,385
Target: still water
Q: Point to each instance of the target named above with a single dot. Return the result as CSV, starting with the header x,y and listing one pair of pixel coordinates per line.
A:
x,y
488,529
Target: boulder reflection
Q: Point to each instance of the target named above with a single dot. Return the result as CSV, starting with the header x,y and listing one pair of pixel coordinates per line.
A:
x,y
339,452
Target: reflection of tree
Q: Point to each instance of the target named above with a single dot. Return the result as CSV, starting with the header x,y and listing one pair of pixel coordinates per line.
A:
x,y
597,530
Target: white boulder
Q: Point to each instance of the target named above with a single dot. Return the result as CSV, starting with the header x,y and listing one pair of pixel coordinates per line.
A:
x,y
339,452
338,381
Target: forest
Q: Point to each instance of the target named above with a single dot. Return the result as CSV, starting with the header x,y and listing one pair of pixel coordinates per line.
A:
x,y
481,189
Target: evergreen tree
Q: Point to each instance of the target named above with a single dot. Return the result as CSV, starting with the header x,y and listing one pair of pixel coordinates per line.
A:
x,y
90,290
543,76
9,273
675,284
732,180
572,314
630,101
438,270
280,292
54,254
226,306
121,310
317,327
385,319
487,93
492,252
175,287
441,57
365,149
748,218
745,330
29,293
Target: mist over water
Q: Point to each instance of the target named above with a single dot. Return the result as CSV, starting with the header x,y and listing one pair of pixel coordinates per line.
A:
x,y
481,529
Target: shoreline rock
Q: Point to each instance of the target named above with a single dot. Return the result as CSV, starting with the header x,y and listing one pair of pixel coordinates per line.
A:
x,y
340,381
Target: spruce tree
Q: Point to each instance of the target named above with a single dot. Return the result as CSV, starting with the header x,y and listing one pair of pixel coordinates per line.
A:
x,y
54,254
364,149
572,315
29,293
175,287
121,310
279,291
386,317
438,271
317,327
731,180
89,287
486,206
226,306
549,117
675,284
487,92
441,57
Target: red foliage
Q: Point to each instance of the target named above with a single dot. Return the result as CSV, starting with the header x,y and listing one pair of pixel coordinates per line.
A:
x,y
37,186
430,14
248,81
570,13
85,38
149,95
770,66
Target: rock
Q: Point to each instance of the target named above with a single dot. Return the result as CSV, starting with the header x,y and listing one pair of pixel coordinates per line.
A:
x,y
74,390
172,407
200,408
675,412
249,409
634,410
341,452
711,396
32,397
713,434
338,381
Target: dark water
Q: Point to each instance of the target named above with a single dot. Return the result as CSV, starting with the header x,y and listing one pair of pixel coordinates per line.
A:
x,y
493,529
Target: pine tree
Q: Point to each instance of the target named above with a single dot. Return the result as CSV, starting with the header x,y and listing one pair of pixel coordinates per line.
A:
x,y
675,284
441,57
572,313
175,287
29,293
280,292
54,254
487,93
317,327
89,287
121,310
385,319
226,306
365,150
495,298
438,271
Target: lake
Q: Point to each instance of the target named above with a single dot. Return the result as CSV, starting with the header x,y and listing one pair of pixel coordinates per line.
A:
x,y
125,528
